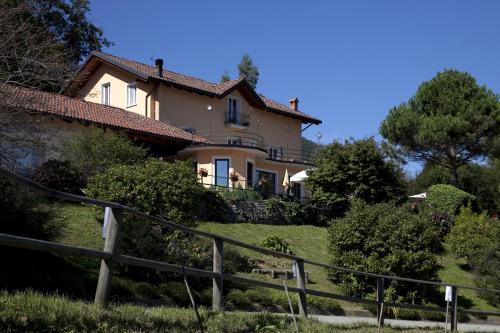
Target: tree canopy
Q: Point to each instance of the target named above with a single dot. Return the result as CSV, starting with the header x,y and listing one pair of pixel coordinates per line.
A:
x,y
354,169
248,70
450,121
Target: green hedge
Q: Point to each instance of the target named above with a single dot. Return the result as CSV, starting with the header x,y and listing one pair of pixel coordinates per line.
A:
x,y
447,199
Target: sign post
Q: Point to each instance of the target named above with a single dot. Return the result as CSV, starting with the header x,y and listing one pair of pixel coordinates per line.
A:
x,y
448,298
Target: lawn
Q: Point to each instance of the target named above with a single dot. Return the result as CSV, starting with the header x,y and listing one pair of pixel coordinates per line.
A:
x,y
34,312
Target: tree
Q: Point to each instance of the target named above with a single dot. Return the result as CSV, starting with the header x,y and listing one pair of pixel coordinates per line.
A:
x,y
354,169
384,239
225,77
450,121
248,70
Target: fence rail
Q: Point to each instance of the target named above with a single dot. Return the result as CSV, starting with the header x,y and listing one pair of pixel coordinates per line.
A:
x,y
110,256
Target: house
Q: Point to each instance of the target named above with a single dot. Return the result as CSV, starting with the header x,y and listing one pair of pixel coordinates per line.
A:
x,y
251,140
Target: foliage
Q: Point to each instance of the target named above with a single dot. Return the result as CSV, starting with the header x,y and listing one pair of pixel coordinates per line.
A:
x,y
309,149
248,70
450,121
447,198
283,211
93,151
231,195
387,240
225,77
354,169
472,234
60,175
277,243
483,181
67,22
487,272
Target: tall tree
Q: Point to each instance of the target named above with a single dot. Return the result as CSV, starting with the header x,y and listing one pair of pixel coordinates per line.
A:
x,y
450,121
354,169
248,70
225,77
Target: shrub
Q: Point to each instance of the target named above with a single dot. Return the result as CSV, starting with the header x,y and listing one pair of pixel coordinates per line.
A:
x,y
472,235
277,243
94,150
487,273
60,175
290,212
447,199
384,239
354,169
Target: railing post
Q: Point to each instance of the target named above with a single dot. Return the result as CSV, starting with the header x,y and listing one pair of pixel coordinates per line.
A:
x,y
217,288
380,300
301,284
111,245
454,308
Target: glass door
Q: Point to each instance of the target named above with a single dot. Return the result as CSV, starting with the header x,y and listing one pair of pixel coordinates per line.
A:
x,y
222,172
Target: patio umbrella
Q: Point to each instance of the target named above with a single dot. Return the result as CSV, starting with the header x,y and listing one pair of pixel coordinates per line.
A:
x,y
299,177
419,196
286,180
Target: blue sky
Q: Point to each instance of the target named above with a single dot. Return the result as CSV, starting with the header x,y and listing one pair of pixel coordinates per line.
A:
x,y
348,62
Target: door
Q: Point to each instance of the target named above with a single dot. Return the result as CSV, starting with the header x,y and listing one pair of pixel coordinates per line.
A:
x,y
222,172
249,174
266,182
233,111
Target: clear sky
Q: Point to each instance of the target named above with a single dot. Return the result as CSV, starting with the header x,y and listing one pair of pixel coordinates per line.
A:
x,y
347,61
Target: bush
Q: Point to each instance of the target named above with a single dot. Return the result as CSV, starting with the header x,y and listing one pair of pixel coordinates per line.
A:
x,y
60,175
277,243
472,235
487,273
384,239
354,169
94,150
290,212
447,199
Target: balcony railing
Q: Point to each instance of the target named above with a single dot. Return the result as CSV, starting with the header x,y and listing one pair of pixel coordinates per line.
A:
x,y
290,155
232,138
238,119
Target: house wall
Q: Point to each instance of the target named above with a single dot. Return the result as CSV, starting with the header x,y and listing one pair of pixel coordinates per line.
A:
x,y
185,109
118,80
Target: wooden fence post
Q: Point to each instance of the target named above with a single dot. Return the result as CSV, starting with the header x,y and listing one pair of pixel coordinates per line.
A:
x,y
111,245
217,289
454,308
301,284
380,300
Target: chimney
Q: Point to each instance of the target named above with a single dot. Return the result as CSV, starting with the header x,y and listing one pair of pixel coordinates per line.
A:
x,y
159,67
294,104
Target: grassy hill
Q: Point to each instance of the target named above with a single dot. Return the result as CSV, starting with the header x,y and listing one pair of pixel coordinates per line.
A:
x,y
79,227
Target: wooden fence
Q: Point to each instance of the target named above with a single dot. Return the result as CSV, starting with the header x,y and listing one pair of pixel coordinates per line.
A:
x,y
109,256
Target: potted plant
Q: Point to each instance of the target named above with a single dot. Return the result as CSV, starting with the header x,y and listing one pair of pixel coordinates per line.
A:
x,y
202,172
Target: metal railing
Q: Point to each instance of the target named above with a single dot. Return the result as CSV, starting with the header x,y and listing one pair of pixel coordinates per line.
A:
x,y
231,138
290,155
110,256
239,119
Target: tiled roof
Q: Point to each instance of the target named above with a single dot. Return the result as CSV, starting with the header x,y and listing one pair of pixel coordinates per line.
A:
x,y
189,82
78,109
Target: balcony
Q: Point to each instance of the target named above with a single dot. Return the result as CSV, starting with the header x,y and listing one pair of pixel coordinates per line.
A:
x,y
290,155
232,138
237,120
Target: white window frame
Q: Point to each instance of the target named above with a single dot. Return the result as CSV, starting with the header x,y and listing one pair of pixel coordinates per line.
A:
x,y
106,93
279,152
130,86
234,138
222,157
238,109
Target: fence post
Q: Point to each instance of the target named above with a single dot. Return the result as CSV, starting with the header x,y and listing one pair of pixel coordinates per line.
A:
x,y
454,308
217,288
301,284
111,245
380,300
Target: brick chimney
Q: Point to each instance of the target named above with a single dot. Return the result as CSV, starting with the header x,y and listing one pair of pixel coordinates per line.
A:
x,y
159,67
294,103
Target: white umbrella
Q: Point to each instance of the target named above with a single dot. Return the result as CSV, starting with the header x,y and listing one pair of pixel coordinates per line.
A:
x,y
419,196
299,177
286,181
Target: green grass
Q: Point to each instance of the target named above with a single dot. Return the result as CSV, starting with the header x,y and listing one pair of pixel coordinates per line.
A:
x,y
454,271
33,312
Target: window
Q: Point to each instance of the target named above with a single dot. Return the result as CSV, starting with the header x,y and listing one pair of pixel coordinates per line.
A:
x,y
233,111
106,94
131,94
266,182
222,172
275,153
249,174
234,140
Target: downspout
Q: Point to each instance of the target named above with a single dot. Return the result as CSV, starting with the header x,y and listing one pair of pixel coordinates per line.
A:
x,y
149,95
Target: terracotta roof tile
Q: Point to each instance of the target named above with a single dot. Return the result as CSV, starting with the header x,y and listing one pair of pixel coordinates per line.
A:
x,y
78,109
200,85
